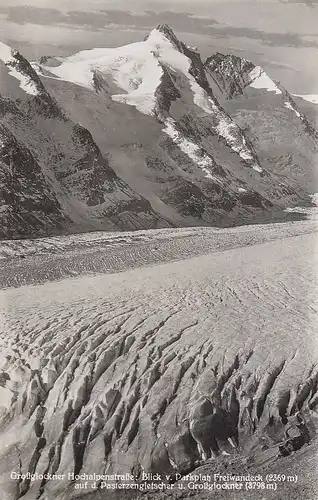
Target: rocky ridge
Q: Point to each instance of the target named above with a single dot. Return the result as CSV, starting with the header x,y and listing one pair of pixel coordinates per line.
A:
x,y
181,158
55,178
274,120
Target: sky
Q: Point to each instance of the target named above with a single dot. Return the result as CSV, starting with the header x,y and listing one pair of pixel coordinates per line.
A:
x,y
280,35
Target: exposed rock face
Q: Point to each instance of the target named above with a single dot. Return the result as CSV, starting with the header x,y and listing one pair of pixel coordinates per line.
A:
x,y
167,92
233,74
289,103
155,147
207,161
14,65
70,185
230,73
29,206
272,119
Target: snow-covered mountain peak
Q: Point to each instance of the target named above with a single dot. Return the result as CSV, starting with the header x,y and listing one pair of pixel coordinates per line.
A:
x,y
168,33
181,159
136,69
166,29
233,74
150,75
227,63
230,75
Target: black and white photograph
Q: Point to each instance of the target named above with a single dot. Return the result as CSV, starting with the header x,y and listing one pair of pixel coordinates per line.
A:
x,y
158,249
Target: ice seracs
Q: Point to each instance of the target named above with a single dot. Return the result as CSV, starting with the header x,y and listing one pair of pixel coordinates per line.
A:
x,y
126,359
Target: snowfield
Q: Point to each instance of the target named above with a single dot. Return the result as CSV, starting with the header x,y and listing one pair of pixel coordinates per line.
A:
x,y
135,68
313,98
134,371
260,80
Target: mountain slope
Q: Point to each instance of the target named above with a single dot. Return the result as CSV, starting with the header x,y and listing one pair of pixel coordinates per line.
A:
x,y
134,137
276,121
50,164
178,148
28,204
